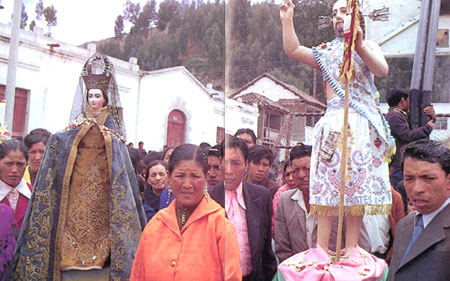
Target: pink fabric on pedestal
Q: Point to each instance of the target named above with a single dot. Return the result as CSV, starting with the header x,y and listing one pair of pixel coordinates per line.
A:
x,y
315,264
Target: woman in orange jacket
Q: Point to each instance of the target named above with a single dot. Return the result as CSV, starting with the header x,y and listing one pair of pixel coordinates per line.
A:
x,y
187,240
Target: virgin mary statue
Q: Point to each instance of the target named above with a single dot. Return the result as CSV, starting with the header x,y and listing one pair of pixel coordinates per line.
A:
x,y
85,216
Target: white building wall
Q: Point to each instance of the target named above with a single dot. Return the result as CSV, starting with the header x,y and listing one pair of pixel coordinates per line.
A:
x,y
268,88
439,108
397,37
51,76
240,115
174,89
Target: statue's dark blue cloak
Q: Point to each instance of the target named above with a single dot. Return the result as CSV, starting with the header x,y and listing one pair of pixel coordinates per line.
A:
x,y
36,255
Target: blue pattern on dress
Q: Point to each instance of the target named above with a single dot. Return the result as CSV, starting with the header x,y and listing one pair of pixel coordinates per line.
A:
x,y
364,97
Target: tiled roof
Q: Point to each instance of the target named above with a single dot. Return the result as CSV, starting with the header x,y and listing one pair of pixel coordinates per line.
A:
x,y
252,98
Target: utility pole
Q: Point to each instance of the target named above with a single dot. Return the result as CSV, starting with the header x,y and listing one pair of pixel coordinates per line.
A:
x,y
424,60
12,65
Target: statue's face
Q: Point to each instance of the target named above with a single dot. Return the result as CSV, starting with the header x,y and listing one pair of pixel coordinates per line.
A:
x,y
95,99
339,13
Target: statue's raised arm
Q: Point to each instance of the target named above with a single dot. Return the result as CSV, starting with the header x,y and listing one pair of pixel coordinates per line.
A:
x,y
291,44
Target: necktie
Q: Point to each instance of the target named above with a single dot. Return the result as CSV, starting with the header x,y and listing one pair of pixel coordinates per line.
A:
x,y
416,233
233,206
13,197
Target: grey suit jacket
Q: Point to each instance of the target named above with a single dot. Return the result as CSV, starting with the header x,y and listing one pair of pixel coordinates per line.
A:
x,y
290,228
429,257
259,225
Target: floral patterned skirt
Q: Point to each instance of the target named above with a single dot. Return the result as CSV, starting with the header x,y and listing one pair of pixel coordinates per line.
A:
x,y
367,186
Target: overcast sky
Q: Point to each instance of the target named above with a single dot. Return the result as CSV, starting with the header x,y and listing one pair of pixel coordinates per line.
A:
x,y
78,21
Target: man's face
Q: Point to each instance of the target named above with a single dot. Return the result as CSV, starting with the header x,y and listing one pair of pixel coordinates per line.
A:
x,y
235,167
215,171
339,12
247,139
300,166
257,170
405,104
426,184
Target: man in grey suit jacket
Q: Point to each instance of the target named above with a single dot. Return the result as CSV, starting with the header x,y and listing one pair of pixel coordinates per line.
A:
x,y
295,228
426,172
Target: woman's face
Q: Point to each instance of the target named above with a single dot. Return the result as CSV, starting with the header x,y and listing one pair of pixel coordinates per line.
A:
x,y
188,181
168,154
289,177
157,178
36,152
12,167
96,99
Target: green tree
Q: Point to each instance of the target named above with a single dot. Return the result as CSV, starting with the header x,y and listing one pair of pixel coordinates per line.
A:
x,y
168,11
24,17
239,13
131,12
45,13
39,9
147,17
50,18
118,26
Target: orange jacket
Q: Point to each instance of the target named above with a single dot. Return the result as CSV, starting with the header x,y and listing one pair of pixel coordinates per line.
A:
x,y
197,252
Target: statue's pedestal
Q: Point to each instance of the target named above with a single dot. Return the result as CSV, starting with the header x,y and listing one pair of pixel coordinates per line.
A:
x,y
315,264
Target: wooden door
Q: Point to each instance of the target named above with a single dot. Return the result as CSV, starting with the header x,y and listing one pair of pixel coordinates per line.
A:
x,y
175,128
20,110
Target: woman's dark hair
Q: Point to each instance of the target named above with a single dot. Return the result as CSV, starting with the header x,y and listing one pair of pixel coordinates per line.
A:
x,y
246,131
205,146
155,163
11,145
187,152
36,136
151,156
287,164
167,150
134,157
216,150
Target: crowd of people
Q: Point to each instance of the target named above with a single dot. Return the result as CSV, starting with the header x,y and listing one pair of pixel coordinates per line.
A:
x,y
226,222
80,204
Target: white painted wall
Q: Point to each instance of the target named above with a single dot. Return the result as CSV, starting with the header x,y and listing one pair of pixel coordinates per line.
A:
x,y
52,76
397,37
268,88
165,90
439,108
147,98
240,115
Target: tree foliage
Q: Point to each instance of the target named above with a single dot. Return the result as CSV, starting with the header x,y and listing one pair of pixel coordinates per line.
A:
x,y
400,72
118,26
192,33
47,14
23,17
186,33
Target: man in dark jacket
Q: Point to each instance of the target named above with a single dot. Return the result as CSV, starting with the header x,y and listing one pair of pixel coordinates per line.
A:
x,y
260,159
422,240
249,208
397,118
